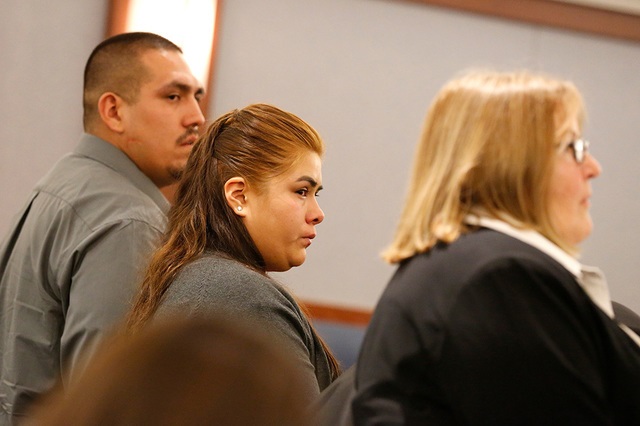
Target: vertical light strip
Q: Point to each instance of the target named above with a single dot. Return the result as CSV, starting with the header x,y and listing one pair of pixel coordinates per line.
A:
x,y
188,23
622,6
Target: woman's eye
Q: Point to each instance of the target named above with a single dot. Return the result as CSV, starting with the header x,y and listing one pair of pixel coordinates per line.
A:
x,y
303,192
173,97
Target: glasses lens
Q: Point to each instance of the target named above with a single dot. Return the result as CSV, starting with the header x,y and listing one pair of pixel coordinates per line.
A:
x,y
580,148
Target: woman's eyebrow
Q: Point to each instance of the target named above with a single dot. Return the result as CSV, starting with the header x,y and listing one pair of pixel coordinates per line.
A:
x,y
309,179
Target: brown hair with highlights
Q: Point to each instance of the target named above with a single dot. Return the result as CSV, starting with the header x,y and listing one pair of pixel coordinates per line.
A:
x,y
259,142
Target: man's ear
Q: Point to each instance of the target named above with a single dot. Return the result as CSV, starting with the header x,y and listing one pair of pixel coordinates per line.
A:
x,y
109,106
235,193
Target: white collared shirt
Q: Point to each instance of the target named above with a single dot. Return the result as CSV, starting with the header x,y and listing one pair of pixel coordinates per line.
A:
x,y
590,278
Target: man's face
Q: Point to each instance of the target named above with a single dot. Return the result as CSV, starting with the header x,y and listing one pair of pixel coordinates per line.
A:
x,y
161,125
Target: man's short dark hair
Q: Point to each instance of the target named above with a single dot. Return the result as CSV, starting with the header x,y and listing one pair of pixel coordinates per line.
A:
x,y
115,66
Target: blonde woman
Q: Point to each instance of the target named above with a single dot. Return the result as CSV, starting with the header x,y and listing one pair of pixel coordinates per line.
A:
x,y
490,319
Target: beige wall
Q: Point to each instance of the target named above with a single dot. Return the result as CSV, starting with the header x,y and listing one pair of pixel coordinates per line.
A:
x,y
43,48
363,73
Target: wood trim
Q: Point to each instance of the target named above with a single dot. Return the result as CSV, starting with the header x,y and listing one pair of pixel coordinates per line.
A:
x,y
117,17
551,13
212,70
348,316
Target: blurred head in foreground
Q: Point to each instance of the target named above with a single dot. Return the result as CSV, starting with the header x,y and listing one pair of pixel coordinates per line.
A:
x,y
185,371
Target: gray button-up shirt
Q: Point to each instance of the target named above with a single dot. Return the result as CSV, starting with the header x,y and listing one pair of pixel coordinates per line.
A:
x,y
70,265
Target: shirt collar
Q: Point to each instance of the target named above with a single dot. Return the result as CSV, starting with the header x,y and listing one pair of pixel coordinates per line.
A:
x,y
532,238
590,278
103,152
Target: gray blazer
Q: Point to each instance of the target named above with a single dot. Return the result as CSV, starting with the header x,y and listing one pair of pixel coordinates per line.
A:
x,y
216,284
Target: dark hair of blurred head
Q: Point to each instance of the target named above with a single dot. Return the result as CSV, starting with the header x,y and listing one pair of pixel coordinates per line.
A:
x,y
182,371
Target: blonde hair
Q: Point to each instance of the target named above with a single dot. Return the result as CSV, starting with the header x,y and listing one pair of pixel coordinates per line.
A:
x,y
487,145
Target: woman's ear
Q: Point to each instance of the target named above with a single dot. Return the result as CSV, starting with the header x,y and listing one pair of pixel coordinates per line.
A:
x,y
109,106
234,191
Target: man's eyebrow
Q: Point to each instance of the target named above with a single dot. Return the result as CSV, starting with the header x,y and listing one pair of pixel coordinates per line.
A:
x,y
311,181
184,88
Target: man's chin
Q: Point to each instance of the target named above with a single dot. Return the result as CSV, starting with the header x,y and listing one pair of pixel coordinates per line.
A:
x,y
176,174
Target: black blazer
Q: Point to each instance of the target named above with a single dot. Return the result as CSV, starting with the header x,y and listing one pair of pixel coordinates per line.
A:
x,y
333,408
491,331
626,316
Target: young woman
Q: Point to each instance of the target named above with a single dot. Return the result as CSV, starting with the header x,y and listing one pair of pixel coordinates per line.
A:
x,y
246,205
490,319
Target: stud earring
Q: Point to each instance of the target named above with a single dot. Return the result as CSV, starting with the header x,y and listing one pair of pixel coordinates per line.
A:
x,y
239,208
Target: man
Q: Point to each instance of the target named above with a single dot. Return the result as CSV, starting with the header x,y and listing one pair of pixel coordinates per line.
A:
x,y
69,265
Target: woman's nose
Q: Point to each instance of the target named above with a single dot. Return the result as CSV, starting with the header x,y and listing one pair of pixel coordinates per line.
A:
x,y
592,166
316,214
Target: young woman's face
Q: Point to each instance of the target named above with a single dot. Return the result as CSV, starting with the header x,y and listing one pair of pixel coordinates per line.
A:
x,y
571,189
282,218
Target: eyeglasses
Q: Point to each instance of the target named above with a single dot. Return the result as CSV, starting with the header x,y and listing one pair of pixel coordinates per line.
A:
x,y
580,148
